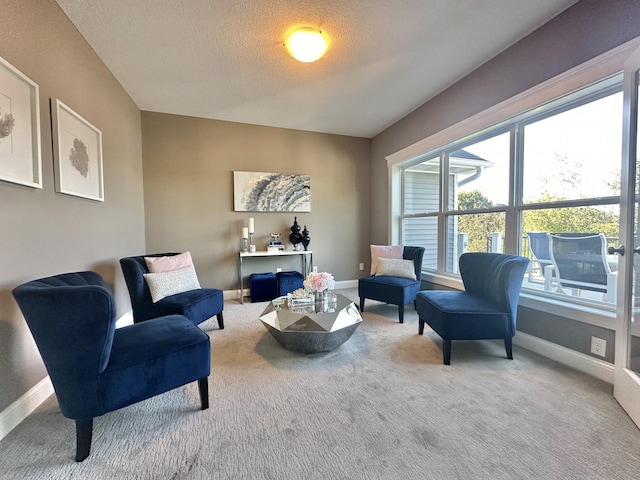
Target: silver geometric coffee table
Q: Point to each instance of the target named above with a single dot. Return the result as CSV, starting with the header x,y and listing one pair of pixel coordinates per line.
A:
x,y
313,327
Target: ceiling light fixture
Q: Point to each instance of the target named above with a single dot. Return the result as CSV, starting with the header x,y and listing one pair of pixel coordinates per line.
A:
x,y
306,44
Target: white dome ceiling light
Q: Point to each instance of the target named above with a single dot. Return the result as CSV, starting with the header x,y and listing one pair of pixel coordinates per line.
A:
x,y
306,44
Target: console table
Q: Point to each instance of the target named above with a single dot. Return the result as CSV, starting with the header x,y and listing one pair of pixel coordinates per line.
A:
x,y
306,257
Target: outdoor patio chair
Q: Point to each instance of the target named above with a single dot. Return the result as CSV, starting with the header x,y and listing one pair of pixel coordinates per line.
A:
x,y
540,256
581,263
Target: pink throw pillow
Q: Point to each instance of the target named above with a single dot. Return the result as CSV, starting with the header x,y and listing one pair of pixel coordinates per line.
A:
x,y
169,263
384,251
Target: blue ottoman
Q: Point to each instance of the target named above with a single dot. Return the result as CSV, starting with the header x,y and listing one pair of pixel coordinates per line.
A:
x,y
289,281
263,286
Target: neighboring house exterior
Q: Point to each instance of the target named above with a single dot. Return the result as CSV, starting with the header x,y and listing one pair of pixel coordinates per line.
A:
x,y
422,184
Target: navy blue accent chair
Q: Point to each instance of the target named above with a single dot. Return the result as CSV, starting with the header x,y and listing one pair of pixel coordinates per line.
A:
x,y
485,310
395,290
96,368
197,305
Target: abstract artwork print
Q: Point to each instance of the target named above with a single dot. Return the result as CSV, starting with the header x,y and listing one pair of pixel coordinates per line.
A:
x,y
271,192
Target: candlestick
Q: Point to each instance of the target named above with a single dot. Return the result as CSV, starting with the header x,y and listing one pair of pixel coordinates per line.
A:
x,y
251,226
245,232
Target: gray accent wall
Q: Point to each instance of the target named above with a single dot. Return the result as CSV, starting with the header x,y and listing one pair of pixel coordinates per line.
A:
x,y
582,32
188,180
45,233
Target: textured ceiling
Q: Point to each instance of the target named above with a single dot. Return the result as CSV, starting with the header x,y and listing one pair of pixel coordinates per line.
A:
x,y
224,59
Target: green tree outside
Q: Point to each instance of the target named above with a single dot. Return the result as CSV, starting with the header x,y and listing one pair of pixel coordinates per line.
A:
x,y
479,227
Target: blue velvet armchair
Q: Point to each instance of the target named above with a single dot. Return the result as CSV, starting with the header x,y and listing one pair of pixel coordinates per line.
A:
x,y
197,305
96,368
486,309
391,289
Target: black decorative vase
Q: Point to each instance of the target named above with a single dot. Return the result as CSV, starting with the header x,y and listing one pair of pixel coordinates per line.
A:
x,y
306,239
295,237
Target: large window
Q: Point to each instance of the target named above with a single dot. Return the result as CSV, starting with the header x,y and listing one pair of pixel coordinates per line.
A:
x,y
523,187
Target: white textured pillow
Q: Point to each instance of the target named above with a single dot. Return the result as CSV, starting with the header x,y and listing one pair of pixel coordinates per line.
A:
x,y
384,251
392,267
163,284
168,263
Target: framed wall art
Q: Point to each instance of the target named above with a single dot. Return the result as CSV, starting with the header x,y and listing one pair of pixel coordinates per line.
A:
x,y
271,192
77,153
20,160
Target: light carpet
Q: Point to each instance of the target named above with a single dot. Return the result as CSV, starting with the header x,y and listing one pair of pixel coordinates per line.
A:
x,y
381,406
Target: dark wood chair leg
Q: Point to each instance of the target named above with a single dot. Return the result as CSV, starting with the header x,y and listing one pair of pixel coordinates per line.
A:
x,y
446,351
401,313
508,347
203,386
220,321
84,430
420,326
361,304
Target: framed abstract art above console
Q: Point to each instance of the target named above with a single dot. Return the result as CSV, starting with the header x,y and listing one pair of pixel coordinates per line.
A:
x,y
271,192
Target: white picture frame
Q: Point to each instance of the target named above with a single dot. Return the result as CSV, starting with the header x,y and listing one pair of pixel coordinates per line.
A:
x,y
77,154
20,155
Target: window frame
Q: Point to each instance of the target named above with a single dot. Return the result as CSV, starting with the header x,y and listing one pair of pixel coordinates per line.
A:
x,y
559,94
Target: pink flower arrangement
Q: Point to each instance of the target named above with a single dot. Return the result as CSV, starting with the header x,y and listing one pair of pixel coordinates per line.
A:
x,y
319,282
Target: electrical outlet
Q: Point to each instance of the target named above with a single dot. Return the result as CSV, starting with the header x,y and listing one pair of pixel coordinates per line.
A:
x,y
278,270
315,269
598,346
361,267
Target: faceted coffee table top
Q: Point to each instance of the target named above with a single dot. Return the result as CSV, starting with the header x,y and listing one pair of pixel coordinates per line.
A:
x,y
311,327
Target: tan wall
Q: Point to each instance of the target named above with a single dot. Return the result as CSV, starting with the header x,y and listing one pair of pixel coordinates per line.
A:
x,y
42,232
584,31
188,177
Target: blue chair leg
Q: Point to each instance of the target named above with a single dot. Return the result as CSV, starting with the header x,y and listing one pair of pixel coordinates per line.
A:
x,y
203,386
220,321
509,348
84,429
446,351
420,326
401,313
361,304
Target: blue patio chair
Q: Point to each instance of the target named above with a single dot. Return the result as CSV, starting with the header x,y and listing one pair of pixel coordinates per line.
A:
x,y
540,256
581,263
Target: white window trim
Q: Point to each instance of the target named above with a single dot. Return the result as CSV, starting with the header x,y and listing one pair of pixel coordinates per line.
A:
x,y
589,72
602,66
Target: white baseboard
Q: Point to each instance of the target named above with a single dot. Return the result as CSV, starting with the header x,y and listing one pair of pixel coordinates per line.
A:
x,y
11,416
584,363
